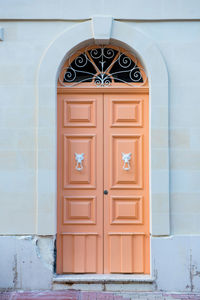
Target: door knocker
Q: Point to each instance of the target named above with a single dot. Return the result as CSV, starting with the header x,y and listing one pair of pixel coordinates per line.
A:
x,y
126,157
79,158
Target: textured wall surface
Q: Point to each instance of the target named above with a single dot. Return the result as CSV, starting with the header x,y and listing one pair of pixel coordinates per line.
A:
x,y
20,54
28,34
176,263
26,262
138,10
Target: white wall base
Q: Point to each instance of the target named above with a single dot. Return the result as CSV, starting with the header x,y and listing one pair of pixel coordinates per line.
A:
x,y
27,263
176,263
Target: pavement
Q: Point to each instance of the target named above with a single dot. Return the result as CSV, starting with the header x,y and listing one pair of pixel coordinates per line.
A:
x,y
82,295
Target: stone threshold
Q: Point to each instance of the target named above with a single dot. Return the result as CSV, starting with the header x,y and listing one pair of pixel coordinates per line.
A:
x,y
102,278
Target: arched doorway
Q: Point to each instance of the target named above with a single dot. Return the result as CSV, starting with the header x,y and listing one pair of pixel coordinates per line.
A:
x,y
103,163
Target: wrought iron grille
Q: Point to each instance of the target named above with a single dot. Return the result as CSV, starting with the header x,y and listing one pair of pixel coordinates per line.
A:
x,y
103,66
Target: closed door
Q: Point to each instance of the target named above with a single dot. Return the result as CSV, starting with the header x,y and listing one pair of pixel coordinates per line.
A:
x,y
103,183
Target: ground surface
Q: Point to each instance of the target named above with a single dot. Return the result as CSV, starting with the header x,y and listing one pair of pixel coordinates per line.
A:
x,y
77,295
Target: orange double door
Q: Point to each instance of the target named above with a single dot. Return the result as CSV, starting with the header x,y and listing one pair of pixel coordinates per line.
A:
x,y
103,183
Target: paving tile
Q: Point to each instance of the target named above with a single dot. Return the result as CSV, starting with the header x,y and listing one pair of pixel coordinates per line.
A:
x,y
61,295
78,295
88,296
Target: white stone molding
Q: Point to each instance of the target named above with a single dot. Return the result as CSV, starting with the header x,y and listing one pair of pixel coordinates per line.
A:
x,y
101,29
50,65
1,34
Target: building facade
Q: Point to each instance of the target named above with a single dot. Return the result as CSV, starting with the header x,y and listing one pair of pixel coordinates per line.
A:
x,y
66,177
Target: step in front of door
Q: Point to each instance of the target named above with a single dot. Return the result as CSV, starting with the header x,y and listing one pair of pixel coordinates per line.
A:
x,y
104,282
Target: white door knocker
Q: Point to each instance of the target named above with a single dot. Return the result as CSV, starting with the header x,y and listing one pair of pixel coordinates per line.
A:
x,y
126,158
79,158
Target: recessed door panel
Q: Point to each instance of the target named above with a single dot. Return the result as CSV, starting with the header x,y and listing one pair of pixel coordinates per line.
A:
x,y
79,113
127,113
126,173
79,210
79,173
126,210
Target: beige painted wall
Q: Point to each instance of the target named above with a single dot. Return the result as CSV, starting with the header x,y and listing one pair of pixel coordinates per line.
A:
x,y
20,53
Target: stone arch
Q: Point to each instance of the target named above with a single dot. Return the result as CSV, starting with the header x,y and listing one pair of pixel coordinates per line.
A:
x,y
51,62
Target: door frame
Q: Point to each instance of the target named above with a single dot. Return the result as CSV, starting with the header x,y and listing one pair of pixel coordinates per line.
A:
x,y
49,66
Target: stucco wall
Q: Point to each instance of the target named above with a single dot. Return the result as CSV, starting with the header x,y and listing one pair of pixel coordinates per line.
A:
x,y
20,53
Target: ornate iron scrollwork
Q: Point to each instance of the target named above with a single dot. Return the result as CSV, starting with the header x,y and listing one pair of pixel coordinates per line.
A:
x,y
102,66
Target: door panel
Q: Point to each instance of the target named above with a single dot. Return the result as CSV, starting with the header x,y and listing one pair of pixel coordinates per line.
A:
x,y
103,145
126,143
79,112
86,144
80,253
79,210
126,253
127,113
126,207
126,210
80,186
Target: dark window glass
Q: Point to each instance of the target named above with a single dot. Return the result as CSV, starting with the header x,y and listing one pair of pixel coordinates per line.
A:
x,y
125,70
81,69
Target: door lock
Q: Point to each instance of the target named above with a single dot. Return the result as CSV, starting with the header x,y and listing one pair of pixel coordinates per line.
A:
x,y
105,192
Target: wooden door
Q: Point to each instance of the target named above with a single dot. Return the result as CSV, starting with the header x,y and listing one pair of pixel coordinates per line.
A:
x,y
126,172
103,145
80,196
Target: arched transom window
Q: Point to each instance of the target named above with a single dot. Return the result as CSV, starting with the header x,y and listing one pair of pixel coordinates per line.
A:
x,y
102,66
